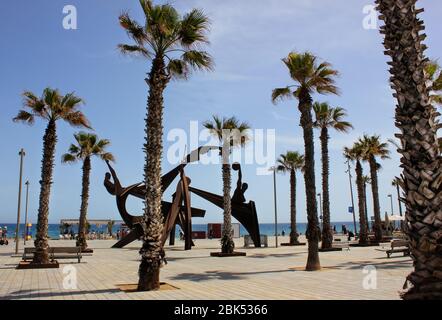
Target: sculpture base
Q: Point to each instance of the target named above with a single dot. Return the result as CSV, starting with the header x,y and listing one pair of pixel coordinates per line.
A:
x,y
29,265
329,249
293,245
133,287
233,254
321,269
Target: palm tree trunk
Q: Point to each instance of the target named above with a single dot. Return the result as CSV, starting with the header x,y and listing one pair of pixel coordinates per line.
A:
x,y
41,237
293,231
81,241
327,234
375,192
227,244
363,229
313,233
152,253
421,160
366,206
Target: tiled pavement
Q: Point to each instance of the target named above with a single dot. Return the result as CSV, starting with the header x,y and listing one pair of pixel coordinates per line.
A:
x,y
263,274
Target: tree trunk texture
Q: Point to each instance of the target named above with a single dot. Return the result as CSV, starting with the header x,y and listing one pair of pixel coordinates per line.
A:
x,y
366,206
313,233
421,160
375,193
152,253
363,228
327,233
41,238
293,230
81,240
227,244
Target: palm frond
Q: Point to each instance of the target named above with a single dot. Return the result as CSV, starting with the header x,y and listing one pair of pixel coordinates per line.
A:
x,y
24,116
280,94
133,28
178,69
68,158
198,60
77,119
194,27
134,49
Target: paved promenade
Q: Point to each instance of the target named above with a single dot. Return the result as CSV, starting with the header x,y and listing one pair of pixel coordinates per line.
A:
x,y
265,273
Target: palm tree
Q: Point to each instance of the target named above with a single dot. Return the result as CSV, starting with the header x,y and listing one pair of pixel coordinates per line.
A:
x,y
366,180
51,107
434,73
327,118
417,120
372,147
87,146
231,133
291,162
355,153
396,182
309,77
110,226
172,44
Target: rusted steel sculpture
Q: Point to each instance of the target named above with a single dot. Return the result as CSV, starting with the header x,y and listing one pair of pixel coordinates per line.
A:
x,y
179,211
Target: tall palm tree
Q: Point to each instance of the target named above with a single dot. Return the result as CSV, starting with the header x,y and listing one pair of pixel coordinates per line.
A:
x,y
88,145
231,133
355,153
291,162
51,107
172,45
418,122
309,76
366,180
396,182
434,73
327,118
372,147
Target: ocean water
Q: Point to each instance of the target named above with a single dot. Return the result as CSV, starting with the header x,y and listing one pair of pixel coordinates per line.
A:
x,y
265,228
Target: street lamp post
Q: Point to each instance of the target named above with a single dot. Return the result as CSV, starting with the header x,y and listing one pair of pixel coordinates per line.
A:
x,y
276,206
26,211
352,197
391,202
17,227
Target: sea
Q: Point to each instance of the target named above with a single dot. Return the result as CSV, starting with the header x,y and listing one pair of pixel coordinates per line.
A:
x,y
268,229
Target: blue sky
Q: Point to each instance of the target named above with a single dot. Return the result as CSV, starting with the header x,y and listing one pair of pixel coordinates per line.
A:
x,y
248,40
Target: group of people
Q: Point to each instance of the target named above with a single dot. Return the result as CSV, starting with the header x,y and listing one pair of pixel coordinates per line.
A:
x,y
4,235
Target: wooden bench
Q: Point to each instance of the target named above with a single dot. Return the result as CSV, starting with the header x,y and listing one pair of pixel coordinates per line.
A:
x,y
398,246
56,253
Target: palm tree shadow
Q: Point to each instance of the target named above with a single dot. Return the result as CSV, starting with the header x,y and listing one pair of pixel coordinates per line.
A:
x,y
30,294
222,275
275,255
402,264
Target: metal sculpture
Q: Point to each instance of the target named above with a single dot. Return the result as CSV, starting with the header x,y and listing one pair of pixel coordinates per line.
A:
x,y
179,211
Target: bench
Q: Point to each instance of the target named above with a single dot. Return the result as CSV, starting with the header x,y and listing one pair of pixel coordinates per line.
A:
x,y
398,246
56,253
249,242
339,243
